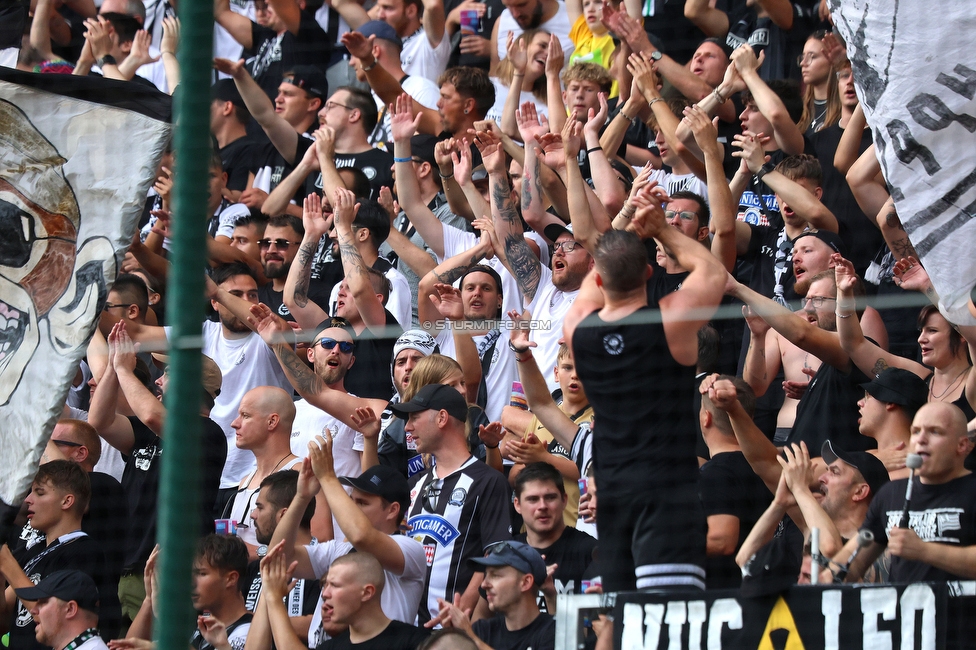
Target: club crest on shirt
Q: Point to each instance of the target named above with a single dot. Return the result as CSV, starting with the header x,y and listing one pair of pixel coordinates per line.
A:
x,y
433,526
429,550
457,497
613,344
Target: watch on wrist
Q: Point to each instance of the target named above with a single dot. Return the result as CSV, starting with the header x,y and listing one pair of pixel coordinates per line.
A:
x,y
656,55
262,550
511,346
765,169
108,59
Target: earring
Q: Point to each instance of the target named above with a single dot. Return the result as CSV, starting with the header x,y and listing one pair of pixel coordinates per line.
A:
x,y
465,111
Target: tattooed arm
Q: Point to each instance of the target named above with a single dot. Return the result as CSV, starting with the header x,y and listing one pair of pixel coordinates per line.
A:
x,y
354,267
307,313
277,334
447,273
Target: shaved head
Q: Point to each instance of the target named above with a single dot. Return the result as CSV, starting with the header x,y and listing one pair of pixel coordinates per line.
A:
x,y
951,416
271,399
367,569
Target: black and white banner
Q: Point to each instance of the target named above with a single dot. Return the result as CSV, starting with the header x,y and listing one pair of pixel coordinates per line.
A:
x,y
77,156
915,71
921,616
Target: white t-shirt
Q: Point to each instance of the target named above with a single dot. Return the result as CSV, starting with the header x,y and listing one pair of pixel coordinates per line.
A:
x,y
419,58
421,89
224,45
242,504
501,94
501,373
680,183
558,25
402,593
550,305
347,443
245,363
399,303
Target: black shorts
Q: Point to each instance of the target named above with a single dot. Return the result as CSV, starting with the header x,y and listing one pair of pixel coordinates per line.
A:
x,y
651,539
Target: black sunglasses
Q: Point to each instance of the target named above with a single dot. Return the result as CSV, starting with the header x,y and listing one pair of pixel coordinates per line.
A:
x,y
67,443
280,244
430,495
346,347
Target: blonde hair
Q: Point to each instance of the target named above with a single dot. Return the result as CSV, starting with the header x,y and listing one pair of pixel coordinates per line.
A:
x,y
590,72
430,370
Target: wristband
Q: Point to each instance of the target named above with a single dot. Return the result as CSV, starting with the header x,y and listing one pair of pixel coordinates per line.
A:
x,y
445,176
490,447
592,149
654,101
511,346
844,315
765,169
108,59
718,96
523,360
403,160
367,68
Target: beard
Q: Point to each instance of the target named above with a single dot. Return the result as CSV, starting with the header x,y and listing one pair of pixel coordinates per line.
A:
x,y
536,19
235,324
276,269
570,280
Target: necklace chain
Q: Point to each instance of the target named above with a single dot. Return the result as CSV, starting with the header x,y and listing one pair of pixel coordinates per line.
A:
x,y
949,387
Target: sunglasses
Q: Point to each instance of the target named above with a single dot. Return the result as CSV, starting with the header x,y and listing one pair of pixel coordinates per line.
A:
x,y
501,547
280,244
346,347
686,215
430,495
67,443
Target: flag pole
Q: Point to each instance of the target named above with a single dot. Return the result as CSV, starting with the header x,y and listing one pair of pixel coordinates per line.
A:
x,y
179,491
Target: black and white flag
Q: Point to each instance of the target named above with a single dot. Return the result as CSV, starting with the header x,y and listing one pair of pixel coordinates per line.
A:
x,y
77,156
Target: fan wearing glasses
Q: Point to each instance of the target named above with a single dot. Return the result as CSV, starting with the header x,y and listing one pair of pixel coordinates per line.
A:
x,y
278,249
514,571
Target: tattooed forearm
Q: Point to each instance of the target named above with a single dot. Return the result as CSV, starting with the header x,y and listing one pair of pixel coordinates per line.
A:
x,y
304,262
527,176
524,264
501,198
352,260
453,274
300,375
902,248
892,220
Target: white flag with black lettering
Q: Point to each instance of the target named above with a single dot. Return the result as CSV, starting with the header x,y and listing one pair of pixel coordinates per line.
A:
x,y
77,157
915,70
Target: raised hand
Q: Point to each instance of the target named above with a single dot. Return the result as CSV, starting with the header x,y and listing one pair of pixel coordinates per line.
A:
x,y
910,275
451,615
276,573
102,38
745,60
704,129
448,302
163,224
733,81
269,326
531,125
644,76
308,484
648,220
516,52
233,68
492,434
643,178
358,45
171,35
750,147
522,330
834,50
572,132
443,152
313,219
164,185
366,422
325,141
721,392
555,57
461,159
554,155
797,468
124,353
140,48
594,119
489,240
213,631
490,148
403,124
344,207
320,454
844,274
757,326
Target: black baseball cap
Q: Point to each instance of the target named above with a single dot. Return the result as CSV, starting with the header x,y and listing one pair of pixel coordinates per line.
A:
x,y
554,230
832,239
899,386
382,481
517,555
66,585
872,469
308,78
225,90
381,29
433,397
422,146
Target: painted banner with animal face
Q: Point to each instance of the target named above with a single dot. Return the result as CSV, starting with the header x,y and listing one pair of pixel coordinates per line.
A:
x,y
77,157
915,72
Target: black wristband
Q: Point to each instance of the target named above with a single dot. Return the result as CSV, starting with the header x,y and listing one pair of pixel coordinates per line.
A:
x,y
108,59
592,149
765,169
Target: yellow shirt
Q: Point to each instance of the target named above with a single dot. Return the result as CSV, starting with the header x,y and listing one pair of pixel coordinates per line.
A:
x,y
592,49
571,513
